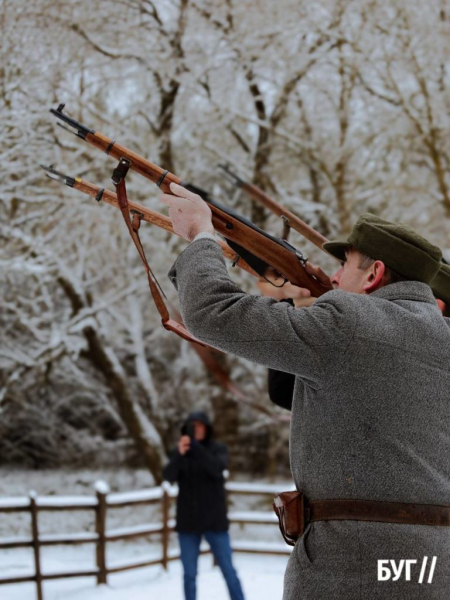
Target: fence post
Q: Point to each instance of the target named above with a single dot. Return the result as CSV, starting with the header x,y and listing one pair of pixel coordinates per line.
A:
x,y
165,525
101,491
36,546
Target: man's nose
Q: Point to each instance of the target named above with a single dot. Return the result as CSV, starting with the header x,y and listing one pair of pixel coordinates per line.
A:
x,y
336,277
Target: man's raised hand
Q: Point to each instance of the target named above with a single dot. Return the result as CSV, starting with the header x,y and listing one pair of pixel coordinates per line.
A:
x,y
189,214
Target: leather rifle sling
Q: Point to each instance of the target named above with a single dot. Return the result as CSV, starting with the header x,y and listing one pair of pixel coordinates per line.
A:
x,y
155,289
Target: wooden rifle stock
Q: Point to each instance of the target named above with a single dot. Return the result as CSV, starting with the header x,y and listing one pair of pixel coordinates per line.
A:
x,y
238,231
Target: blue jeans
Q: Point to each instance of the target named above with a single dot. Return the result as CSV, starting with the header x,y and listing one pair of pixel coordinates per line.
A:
x,y
219,542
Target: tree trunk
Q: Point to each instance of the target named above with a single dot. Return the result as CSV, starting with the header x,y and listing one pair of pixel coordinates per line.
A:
x,y
144,434
142,431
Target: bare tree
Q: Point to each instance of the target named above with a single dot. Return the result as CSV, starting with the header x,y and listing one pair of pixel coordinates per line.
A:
x,y
340,109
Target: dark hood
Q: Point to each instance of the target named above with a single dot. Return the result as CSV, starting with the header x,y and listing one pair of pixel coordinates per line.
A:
x,y
199,415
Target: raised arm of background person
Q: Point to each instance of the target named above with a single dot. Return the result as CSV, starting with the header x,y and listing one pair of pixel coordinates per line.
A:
x,y
307,342
213,458
171,471
281,388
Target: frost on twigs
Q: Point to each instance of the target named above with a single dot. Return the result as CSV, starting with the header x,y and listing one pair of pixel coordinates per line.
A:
x,y
341,109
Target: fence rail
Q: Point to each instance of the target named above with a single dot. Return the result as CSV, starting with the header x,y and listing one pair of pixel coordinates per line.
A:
x,y
101,503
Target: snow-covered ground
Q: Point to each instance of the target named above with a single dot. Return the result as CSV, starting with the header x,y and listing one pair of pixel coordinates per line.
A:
x,y
261,577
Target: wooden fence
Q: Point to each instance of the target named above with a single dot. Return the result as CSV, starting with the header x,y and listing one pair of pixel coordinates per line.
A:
x,y
101,503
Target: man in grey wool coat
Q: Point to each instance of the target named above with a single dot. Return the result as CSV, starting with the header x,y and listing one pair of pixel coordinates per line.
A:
x,y
370,414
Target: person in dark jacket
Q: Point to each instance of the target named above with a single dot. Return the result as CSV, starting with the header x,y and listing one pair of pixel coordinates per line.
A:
x,y
197,465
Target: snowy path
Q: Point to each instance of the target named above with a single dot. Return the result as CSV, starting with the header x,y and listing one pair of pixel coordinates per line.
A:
x,y
261,577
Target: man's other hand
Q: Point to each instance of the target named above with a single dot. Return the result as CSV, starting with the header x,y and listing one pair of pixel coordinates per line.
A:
x,y
320,275
302,296
190,214
184,444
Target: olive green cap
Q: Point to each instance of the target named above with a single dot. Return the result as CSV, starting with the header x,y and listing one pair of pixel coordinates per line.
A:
x,y
399,246
441,284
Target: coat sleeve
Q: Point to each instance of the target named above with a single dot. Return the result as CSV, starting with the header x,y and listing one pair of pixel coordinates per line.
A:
x,y
213,462
306,342
171,471
281,388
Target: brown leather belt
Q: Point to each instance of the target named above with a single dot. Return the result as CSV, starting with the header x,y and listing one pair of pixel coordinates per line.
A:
x,y
294,512
373,510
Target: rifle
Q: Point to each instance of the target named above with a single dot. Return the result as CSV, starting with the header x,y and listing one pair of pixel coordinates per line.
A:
x,y
257,194
256,247
146,214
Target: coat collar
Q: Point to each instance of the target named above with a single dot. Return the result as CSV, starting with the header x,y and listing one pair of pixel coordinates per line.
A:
x,y
406,290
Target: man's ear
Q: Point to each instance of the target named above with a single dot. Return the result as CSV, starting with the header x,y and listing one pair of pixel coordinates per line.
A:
x,y
374,277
